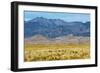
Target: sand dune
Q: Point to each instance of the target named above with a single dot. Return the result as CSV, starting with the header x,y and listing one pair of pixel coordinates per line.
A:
x,y
39,39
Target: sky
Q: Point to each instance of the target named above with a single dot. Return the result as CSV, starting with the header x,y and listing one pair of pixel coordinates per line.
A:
x,y
68,17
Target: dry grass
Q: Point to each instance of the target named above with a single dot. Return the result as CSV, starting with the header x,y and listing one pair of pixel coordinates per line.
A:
x,y
48,52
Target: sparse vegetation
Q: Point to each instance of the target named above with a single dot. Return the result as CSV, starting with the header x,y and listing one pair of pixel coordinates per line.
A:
x,y
49,52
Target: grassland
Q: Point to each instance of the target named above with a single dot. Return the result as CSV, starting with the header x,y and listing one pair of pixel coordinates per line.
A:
x,y
49,52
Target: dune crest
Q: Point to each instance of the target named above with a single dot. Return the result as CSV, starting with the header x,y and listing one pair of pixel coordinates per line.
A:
x,y
69,39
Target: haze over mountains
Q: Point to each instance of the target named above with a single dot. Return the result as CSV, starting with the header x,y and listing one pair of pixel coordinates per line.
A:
x,y
53,28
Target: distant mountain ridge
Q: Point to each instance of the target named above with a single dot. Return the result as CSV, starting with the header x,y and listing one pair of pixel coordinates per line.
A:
x,y
53,28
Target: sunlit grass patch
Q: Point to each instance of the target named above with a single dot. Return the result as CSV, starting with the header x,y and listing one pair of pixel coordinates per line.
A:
x,y
48,52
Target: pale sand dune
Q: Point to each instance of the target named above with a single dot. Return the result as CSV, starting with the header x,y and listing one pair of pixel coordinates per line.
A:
x,y
70,39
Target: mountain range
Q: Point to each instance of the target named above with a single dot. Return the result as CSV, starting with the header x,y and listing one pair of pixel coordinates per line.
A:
x,y
53,28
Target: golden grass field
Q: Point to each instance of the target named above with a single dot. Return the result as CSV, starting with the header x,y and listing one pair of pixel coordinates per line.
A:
x,y
48,52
